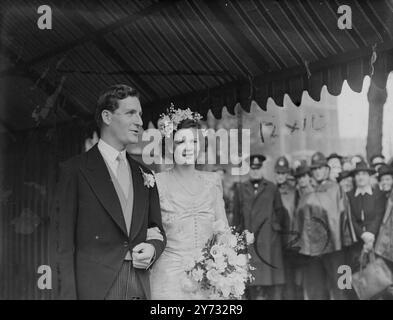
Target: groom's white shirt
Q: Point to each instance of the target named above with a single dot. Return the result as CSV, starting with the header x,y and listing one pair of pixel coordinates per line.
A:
x,y
110,155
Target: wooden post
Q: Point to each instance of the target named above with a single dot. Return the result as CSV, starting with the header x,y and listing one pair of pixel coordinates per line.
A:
x,y
377,98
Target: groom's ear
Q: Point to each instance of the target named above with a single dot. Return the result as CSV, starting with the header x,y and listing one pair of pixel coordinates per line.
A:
x,y
106,116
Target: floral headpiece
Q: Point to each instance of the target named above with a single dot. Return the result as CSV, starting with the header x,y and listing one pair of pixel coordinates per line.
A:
x,y
169,121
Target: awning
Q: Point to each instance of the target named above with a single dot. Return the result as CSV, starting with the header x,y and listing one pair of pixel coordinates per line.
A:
x,y
198,54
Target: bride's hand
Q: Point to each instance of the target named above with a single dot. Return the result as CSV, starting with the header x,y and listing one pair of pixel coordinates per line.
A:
x,y
142,255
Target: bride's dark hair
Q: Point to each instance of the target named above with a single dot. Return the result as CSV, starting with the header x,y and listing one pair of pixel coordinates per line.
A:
x,y
184,124
188,124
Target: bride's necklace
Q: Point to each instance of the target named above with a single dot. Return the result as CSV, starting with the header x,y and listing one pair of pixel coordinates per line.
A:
x,y
184,187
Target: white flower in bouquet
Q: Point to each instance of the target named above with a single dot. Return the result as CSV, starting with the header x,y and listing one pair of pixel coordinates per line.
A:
x,y
197,274
216,251
232,240
210,264
226,291
220,264
238,289
213,275
242,260
249,237
232,257
219,227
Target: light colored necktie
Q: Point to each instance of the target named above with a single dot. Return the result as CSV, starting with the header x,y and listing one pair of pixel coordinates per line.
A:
x,y
122,174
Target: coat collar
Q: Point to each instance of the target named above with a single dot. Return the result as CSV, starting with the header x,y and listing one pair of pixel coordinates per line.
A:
x,y
261,187
363,191
100,181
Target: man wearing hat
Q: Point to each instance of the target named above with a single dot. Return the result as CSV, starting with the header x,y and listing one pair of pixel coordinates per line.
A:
x,y
345,180
302,174
367,206
288,195
334,163
385,178
319,220
287,191
257,207
376,161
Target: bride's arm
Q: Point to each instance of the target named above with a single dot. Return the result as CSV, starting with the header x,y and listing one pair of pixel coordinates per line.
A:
x,y
220,204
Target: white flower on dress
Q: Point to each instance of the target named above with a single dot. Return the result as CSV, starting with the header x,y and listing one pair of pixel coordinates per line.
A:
x,y
148,179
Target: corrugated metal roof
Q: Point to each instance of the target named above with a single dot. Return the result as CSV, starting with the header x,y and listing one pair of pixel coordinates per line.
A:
x,y
205,54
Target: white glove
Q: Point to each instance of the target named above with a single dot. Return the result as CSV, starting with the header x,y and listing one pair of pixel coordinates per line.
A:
x,y
368,237
143,255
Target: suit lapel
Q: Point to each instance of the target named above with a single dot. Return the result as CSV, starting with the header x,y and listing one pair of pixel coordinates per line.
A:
x,y
140,198
97,175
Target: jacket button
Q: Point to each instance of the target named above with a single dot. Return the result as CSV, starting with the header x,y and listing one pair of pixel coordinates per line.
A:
x,y
125,244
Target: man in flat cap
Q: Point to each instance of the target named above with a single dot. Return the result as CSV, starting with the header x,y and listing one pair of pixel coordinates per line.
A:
x,y
319,219
259,209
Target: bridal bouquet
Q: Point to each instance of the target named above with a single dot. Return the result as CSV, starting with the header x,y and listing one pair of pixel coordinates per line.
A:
x,y
221,269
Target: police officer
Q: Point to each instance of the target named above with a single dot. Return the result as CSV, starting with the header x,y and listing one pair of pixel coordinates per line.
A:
x,y
288,197
259,209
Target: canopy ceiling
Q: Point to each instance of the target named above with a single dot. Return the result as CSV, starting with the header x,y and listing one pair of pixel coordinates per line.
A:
x,y
198,53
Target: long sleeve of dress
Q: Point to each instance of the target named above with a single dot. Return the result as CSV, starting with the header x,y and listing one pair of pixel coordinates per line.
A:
x,y
220,203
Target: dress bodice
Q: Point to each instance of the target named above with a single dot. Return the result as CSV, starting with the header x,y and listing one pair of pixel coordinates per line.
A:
x,y
187,219
188,223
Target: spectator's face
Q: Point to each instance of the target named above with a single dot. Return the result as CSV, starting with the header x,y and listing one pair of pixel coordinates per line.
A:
x,y
335,168
386,182
281,177
347,166
304,181
362,179
320,173
256,173
347,184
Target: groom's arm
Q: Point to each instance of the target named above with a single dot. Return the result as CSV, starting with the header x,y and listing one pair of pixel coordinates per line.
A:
x,y
63,220
155,221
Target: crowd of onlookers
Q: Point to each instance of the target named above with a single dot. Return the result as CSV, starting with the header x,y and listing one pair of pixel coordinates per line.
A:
x,y
315,217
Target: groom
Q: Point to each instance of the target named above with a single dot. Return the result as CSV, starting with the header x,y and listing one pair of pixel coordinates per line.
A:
x,y
106,228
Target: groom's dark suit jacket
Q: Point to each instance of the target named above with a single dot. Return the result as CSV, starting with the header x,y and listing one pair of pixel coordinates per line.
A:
x,y
89,238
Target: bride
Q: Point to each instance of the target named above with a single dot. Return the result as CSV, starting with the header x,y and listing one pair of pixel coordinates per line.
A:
x,y
190,200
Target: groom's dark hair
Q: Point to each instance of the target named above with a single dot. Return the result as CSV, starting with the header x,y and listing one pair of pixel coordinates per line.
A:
x,y
108,99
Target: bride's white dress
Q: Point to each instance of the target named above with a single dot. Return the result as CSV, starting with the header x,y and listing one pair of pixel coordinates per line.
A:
x,y
187,220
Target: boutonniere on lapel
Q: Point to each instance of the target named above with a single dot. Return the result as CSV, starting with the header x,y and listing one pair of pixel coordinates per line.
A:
x,y
148,179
